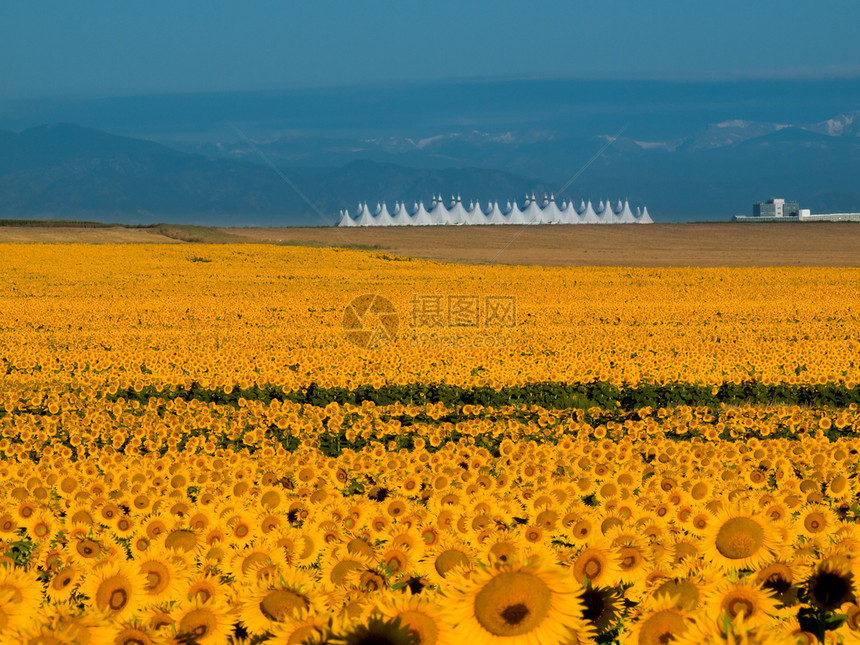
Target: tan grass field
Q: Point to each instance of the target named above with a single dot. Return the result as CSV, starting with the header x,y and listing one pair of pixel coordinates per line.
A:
x,y
706,244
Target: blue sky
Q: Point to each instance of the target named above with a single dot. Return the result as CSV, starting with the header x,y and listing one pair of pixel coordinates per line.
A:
x,y
107,48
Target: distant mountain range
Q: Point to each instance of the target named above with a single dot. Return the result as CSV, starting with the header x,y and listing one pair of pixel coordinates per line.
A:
x,y
67,171
688,153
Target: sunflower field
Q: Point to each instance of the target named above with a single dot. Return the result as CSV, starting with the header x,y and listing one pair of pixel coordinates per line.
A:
x,y
276,444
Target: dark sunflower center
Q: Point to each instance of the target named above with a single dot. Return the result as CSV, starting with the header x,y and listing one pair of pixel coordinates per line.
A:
x,y
813,523
592,568
153,580
514,614
740,605
829,589
594,605
777,583
118,599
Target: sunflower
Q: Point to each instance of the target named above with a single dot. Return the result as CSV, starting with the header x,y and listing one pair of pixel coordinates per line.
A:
x,y
117,588
449,557
663,621
307,628
781,579
581,530
64,582
536,602
183,540
598,564
338,571
603,607
687,592
816,521
204,588
202,624
23,587
502,549
276,601
633,560
166,577
139,543
63,623
419,615
831,583
397,559
124,526
361,548
703,631
304,548
159,619
132,633
86,550
796,635
374,630
42,527
852,611
739,538
252,562
13,615
746,596
8,524
79,515
698,524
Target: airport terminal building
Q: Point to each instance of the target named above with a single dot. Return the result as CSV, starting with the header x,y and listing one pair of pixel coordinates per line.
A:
x,y
780,210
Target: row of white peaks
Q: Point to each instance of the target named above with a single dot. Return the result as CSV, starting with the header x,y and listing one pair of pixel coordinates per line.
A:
x,y
548,212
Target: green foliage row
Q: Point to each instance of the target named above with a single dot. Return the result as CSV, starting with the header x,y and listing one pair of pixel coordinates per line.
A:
x,y
549,395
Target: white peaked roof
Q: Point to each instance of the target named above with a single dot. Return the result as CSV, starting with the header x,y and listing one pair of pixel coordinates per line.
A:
x,y
421,217
588,216
605,215
401,215
383,217
532,212
439,214
363,217
345,219
495,216
475,216
645,218
625,215
514,215
568,214
456,213
551,213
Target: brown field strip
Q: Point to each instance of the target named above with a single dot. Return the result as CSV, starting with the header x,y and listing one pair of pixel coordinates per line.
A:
x,y
710,244
705,244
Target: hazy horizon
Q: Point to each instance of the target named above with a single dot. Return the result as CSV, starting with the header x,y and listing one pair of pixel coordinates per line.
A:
x,y
99,49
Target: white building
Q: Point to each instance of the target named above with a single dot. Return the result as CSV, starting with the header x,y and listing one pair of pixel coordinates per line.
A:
x,y
545,211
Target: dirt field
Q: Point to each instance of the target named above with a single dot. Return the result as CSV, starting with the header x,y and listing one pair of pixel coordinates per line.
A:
x,y
717,244
63,235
